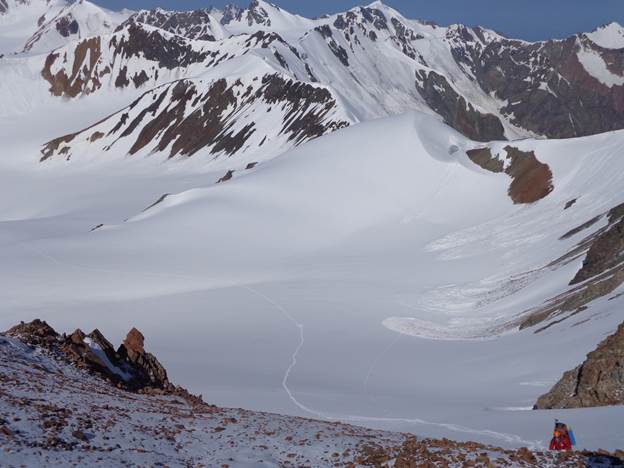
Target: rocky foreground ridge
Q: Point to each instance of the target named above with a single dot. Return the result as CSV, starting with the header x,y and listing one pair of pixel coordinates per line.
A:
x,y
73,399
599,381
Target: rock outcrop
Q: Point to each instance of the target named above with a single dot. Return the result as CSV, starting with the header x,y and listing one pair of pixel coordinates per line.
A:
x,y
129,367
147,368
531,179
599,381
456,110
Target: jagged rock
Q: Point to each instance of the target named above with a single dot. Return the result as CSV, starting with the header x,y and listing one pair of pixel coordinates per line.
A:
x,y
599,381
34,333
134,343
148,372
130,367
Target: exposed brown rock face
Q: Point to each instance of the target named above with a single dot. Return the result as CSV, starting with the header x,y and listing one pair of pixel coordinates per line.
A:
x,y
547,89
456,111
483,158
168,52
531,179
82,78
84,69
601,274
130,367
599,381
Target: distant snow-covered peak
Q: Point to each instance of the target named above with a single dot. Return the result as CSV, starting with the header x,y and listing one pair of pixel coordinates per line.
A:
x,y
609,36
76,20
19,19
261,15
197,24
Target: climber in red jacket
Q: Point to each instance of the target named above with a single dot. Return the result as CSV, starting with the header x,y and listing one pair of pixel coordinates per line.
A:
x,y
561,439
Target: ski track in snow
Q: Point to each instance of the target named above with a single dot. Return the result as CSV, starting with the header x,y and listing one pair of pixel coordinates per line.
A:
x,y
293,357
510,438
376,361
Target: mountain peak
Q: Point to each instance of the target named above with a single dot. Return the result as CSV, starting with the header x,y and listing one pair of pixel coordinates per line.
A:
x,y
377,4
608,36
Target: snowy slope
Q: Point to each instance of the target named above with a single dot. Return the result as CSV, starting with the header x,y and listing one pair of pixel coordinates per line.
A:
x,y
369,248
448,276
20,19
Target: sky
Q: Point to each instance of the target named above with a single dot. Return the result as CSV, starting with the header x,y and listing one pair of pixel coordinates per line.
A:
x,y
523,19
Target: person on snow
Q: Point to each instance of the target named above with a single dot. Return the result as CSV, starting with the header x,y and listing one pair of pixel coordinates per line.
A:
x,y
561,438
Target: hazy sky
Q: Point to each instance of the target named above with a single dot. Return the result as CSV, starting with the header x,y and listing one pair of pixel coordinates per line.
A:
x,y
526,19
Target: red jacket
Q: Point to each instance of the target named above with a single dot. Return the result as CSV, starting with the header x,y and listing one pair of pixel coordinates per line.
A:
x,y
561,443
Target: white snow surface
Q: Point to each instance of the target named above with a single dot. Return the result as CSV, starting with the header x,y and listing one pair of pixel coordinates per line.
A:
x,y
271,291
30,26
609,36
595,65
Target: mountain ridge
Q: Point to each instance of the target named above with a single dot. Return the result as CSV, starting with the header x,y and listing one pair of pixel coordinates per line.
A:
x,y
485,85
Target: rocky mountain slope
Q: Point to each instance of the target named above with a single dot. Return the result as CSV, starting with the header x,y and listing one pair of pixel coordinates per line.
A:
x,y
109,408
213,116
599,381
